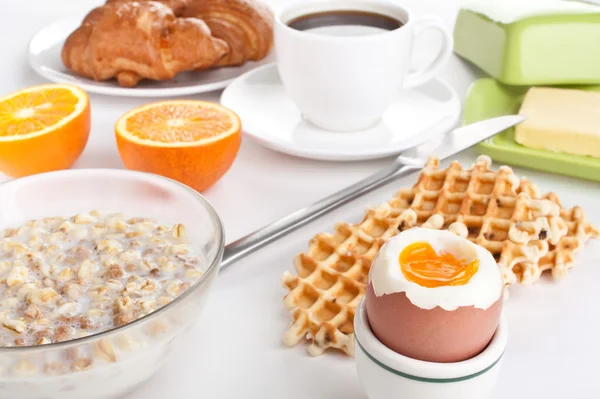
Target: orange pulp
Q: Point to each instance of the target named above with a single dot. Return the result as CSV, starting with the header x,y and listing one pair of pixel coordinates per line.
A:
x,y
421,264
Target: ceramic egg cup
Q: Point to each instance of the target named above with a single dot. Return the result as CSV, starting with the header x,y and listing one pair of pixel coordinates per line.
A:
x,y
385,374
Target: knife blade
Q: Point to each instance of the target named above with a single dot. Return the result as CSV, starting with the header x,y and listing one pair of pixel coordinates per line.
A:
x,y
442,146
446,145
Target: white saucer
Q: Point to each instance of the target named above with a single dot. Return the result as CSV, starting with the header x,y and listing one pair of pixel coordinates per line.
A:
x,y
271,118
44,58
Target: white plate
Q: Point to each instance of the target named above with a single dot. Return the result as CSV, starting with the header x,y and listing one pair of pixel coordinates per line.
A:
x,y
269,116
44,58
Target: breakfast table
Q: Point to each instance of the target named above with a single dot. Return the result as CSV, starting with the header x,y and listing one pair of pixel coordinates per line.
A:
x,y
236,350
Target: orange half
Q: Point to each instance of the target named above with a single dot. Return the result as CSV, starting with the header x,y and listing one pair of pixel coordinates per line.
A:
x,y
194,142
43,128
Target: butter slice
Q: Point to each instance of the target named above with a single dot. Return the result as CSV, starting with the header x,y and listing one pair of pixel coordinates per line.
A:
x,y
561,120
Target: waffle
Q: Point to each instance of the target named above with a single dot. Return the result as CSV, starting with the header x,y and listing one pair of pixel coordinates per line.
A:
x,y
526,232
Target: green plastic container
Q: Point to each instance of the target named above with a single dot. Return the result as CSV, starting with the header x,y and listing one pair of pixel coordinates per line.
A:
x,y
487,98
541,50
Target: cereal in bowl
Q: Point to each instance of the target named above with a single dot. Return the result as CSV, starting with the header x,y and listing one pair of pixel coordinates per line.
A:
x,y
66,278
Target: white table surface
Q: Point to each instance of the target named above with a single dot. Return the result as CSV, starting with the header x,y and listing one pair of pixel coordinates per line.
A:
x,y
235,351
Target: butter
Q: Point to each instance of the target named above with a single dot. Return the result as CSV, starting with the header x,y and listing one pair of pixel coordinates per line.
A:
x,y
561,120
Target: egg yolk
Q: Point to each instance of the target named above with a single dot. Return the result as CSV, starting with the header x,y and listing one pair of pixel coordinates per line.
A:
x,y
421,264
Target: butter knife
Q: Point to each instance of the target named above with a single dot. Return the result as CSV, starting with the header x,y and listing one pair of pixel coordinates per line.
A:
x,y
412,160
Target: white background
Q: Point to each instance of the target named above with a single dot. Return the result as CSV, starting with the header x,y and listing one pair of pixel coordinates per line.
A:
x,y
235,350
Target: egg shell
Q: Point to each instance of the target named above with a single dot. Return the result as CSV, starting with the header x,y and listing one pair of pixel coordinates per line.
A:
x,y
433,335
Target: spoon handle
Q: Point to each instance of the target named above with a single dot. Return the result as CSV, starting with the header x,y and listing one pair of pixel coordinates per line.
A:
x,y
264,236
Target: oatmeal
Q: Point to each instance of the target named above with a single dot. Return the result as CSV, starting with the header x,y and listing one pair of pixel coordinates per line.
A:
x,y
65,278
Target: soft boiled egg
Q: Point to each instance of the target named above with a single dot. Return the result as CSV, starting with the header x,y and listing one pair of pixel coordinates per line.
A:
x,y
434,296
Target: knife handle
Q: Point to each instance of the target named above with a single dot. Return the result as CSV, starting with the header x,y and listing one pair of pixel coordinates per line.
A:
x,y
264,236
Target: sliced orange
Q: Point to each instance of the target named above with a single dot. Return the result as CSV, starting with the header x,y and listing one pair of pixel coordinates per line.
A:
x,y
193,142
43,128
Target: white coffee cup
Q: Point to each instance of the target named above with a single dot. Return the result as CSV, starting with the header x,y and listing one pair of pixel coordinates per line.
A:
x,y
345,83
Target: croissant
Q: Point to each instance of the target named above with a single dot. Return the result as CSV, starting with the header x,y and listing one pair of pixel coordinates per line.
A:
x,y
176,5
139,40
246,26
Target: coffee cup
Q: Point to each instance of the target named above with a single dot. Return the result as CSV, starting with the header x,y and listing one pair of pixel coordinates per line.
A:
x,y
343,62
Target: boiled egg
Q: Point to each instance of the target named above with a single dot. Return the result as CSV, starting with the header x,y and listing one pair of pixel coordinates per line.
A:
x,y
434,296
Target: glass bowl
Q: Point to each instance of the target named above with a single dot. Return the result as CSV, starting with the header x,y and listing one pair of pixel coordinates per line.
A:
x,y
114,362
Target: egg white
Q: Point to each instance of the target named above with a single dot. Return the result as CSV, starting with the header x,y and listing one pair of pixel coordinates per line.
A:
x,y
481,291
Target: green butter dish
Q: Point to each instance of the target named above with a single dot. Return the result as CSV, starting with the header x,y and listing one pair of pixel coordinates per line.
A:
x,y
488,98
538,50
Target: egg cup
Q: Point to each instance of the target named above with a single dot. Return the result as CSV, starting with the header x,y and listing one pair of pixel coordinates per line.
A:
x,y
385,374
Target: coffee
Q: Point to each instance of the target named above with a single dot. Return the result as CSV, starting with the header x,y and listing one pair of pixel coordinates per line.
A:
x,y
345,23
346,83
